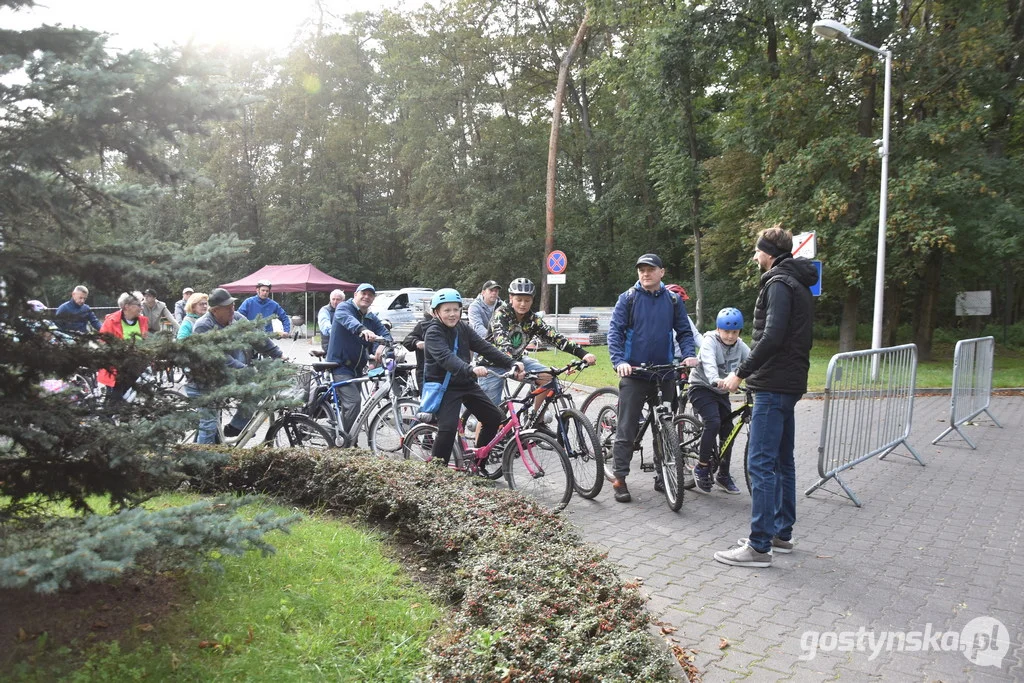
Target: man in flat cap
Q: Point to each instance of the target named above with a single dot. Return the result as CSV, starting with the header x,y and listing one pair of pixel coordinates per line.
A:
x,y
482,309
221,314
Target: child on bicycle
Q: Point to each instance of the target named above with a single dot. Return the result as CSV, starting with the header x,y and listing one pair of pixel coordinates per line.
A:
x,y
448,344
720,353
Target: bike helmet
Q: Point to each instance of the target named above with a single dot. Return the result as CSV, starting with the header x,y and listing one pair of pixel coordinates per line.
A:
x,y
264,283
729,319
678,289
445,296
35,305
521,286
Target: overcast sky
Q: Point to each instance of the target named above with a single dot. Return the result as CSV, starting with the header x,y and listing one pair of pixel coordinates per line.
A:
x,y
145,23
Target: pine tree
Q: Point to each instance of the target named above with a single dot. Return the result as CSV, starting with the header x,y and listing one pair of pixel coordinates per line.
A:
x,y
81,127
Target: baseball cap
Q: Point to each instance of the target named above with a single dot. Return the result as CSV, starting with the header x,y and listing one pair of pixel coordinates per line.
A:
x,y
365,285
649,260
220,297
490,284
150,290
188,290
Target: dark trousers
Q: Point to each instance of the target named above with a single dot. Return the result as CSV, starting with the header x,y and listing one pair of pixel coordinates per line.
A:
x,y
324,341
716,414
476,401
633,394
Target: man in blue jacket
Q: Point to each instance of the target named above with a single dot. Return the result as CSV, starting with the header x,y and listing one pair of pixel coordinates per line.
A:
x,y
647,322
353,338
75,315
262,304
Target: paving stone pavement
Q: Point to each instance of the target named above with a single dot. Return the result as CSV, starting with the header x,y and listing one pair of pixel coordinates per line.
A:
x,y
931,549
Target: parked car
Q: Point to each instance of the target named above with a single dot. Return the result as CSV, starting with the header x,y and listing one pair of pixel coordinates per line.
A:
x,y
400,306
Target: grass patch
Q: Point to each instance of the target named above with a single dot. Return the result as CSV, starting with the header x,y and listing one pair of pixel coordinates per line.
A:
x,y
328,605
1008,368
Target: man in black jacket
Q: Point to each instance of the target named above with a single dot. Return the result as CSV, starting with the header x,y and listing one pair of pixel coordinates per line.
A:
x,y
776,371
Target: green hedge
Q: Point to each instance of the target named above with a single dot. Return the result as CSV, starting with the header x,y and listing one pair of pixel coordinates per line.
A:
x,y
529,601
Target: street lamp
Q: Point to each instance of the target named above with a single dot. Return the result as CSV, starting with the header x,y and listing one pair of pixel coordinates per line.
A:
x,y
827,28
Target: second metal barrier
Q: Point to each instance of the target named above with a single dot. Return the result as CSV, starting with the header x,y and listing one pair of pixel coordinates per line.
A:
x,y
869,405
972,384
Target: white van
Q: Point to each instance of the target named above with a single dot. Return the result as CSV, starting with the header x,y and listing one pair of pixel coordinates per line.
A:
x,y
400,306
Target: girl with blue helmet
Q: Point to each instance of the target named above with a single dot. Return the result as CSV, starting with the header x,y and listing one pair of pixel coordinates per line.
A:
x,y
448,345
721,351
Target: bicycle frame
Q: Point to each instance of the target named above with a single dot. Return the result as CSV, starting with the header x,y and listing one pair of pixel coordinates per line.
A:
x,y
511,424
656,406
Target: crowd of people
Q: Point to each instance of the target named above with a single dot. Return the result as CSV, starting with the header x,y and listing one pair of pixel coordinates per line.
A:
x,y
465,364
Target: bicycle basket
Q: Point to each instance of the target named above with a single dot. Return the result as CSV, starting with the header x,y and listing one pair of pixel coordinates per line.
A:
x,y
300,387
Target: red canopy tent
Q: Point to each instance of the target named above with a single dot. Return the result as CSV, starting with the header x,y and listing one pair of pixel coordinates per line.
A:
x,y
304,277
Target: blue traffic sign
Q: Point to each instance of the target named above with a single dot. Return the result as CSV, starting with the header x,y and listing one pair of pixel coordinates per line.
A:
x,y
816,287
556,262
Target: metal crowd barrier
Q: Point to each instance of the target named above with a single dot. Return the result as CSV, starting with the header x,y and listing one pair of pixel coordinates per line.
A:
x,y
869,403
972,384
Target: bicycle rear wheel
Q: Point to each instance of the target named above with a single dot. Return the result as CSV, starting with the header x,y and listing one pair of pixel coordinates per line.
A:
x,y
418,443
598,399
540,470
670,462
577,437
295,430
688,430
386,431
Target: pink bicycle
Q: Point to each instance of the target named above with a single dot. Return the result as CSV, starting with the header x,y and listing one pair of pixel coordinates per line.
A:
x,y
532,462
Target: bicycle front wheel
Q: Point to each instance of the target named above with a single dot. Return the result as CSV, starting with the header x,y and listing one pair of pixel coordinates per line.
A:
x,y
607,422
388,426
688,430
578,439
539,469
295,430
671,465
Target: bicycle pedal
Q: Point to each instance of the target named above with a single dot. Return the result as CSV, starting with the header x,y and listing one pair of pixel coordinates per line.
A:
x,y
647,467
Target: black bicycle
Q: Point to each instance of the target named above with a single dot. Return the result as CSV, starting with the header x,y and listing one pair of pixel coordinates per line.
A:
x,y
688,427
676,437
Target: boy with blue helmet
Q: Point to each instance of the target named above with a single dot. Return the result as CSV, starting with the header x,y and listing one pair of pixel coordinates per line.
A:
x,y
721,352
448,345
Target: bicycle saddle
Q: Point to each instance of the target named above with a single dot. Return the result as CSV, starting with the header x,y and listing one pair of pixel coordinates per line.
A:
x,y
324,366
317,353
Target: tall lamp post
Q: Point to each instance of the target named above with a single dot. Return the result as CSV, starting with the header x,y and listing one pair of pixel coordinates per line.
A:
x,y
827,28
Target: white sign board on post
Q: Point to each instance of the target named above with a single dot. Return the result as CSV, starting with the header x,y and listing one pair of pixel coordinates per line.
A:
x,y
805,245
556,279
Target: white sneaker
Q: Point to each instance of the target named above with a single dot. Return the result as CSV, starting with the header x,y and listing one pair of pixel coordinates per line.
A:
x,y
744,556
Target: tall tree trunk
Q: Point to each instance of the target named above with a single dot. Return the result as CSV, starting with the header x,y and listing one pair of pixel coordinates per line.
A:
x,y
556,115
927,306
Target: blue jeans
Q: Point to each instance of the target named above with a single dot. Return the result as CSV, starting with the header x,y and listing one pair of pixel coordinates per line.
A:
x,y
209,418
772,468
493,383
